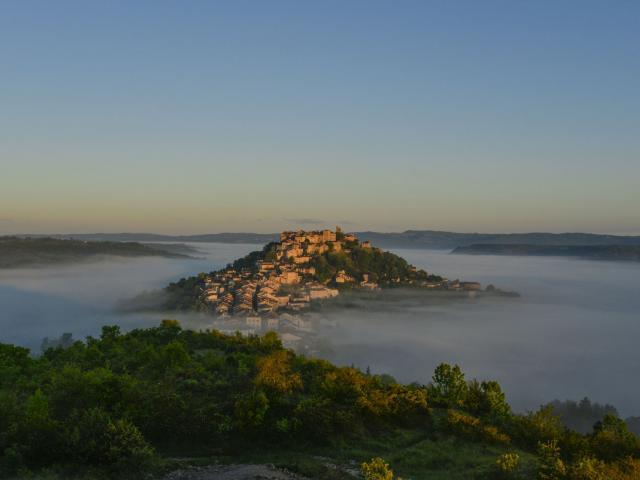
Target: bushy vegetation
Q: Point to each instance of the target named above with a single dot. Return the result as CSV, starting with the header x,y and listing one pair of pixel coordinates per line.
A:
x,y
103,403
250,260
376,469
382,267
117,403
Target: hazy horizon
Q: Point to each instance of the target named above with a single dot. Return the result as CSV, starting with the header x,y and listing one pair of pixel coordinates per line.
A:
x,y
315,226
492,117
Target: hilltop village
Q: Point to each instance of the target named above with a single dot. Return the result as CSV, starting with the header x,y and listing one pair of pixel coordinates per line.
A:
x,y
284,281
276,288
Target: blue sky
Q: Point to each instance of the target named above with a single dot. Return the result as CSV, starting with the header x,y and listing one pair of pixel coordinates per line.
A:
x,y
256,116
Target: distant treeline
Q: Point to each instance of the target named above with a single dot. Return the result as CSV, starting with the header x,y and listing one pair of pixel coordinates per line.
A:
x,y
250,238
18,252
604,252
407,239
583,415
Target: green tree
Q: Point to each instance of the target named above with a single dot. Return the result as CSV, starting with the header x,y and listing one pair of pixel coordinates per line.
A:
x,y
487,399
250,411
612,440
448,387
37,434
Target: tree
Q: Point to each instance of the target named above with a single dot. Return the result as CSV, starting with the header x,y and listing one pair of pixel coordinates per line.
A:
x,y
93,438
612,440
250,411
274,373
448,387
37,437
487,400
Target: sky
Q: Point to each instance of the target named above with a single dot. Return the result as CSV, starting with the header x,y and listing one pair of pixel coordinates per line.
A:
x,y
194,117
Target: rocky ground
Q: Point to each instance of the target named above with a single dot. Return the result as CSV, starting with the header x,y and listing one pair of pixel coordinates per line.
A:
x,y
232,472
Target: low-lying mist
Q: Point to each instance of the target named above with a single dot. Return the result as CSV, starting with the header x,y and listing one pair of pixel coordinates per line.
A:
x,y
81,298
573,332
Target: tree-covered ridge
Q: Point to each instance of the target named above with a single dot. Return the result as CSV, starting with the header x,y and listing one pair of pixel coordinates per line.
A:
x,y
17,252
357,261
116,403
382,267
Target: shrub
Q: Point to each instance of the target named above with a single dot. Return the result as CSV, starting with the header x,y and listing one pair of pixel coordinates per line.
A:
x,y
587,468
535,428
470,427
508,465
377,469
550,465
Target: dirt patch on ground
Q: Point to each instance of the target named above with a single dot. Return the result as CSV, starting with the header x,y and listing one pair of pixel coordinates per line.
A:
x,y
233,472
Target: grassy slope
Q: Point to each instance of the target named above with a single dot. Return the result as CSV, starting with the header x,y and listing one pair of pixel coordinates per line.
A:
x,y
411,453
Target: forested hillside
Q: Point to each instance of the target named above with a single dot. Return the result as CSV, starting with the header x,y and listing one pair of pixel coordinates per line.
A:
x,y
123,405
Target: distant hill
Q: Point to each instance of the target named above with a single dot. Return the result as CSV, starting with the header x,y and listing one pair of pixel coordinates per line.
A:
x,y
254,238
407,239
26,252
602,252
448,240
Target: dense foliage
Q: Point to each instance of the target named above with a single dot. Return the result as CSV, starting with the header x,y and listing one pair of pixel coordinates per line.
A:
x,y
382,267
111,402
18,252
103,403
250,260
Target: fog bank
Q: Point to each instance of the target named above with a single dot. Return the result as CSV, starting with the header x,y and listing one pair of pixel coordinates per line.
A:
x,y
81,298
573,332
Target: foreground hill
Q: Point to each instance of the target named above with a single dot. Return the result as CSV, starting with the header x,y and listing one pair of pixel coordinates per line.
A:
x,y
130,405
596,252
26,252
